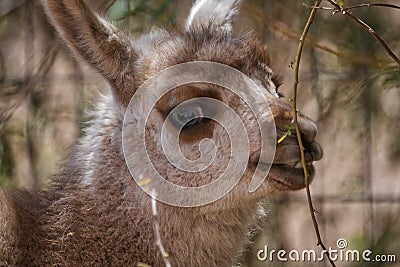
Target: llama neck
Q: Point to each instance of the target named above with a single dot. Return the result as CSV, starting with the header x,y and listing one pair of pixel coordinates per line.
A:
x,y
191,236
212,239
109,206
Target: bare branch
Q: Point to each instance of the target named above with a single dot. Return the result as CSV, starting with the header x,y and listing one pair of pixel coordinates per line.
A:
x,y
368,28
348,55
371,5
354,7
298,133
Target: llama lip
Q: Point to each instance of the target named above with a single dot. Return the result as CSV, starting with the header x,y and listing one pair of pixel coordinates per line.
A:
x,y
289,153
290,173
290,177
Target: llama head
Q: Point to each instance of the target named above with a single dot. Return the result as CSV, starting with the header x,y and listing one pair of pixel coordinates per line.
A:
x,y
128,64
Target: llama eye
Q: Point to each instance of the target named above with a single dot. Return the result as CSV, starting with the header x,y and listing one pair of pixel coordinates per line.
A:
x,y
187,117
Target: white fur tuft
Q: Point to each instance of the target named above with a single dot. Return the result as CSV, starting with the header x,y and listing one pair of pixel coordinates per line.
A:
x,y
218,13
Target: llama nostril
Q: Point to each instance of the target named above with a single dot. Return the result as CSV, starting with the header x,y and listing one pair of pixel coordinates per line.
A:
x,y
308,129
316,151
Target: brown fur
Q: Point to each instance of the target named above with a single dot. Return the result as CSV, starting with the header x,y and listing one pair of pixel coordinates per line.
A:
x,y
93,213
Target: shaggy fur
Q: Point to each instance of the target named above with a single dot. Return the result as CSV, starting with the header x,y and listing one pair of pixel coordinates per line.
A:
x,y
93,213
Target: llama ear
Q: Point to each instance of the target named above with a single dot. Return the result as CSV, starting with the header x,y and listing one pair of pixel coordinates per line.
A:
x,y
218,14
97,42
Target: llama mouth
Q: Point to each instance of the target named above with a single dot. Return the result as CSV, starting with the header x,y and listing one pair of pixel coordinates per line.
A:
x,y
291,177
287,170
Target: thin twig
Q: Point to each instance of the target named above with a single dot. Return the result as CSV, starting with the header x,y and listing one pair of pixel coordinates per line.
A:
x,y
368,28
371,5
164,253
354,7
348,55
298,133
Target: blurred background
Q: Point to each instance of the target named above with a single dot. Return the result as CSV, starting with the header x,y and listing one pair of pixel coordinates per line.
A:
x,y
348,85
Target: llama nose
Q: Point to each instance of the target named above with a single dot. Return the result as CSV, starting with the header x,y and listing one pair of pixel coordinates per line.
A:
x,y
309,130
315,150
282,113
